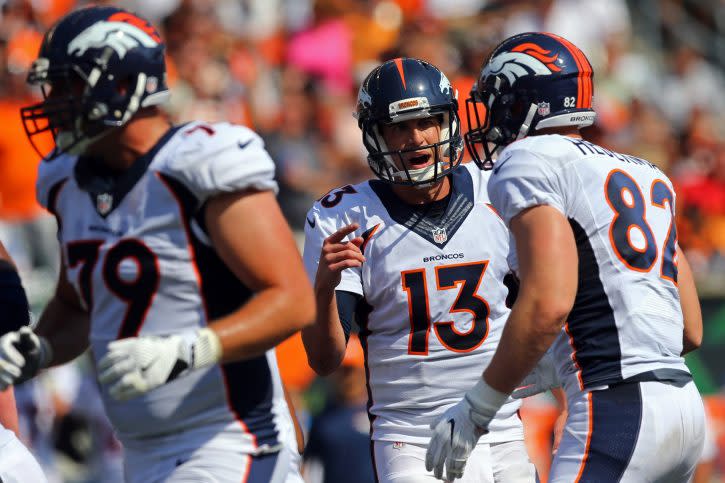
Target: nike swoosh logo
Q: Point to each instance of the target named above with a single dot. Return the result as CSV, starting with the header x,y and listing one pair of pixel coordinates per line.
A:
x,y
244,145
311,222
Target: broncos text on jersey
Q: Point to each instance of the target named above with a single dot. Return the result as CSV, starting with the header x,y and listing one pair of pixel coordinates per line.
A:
x,y
433,299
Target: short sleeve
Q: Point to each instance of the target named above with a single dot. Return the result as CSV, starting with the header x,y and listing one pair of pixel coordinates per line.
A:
x,y
521,180
222,158
319,226
51,176
512,258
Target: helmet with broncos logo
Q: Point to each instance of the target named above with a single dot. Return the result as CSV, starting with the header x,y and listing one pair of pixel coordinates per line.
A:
x,y
97,67
530,81
399,90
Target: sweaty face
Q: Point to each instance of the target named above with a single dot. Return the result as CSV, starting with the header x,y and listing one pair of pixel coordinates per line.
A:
x,y
411,136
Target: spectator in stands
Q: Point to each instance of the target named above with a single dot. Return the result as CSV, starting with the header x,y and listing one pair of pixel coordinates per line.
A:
x,y
339,444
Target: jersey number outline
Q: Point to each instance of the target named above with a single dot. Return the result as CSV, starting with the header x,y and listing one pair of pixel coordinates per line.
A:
x,y
467,278
631,213
332,198
137,294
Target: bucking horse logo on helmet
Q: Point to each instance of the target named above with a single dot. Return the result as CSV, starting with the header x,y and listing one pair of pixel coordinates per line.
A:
x,y
120,34
524,59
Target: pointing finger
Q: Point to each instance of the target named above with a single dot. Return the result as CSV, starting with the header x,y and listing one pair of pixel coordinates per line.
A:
x,y
342,233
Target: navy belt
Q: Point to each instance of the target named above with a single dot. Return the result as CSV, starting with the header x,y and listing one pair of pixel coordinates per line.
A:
x,y
673,377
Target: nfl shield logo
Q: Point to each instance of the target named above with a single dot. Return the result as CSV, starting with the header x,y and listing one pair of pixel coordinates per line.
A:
x,y
104,202
543,109
440,235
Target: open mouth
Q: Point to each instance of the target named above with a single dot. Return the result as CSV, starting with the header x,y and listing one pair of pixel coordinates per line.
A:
x,y
419,161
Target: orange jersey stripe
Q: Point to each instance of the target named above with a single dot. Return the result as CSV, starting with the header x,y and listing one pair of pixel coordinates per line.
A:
x,y
367,236
573,356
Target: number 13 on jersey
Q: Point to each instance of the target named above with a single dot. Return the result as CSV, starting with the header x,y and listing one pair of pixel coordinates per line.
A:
x,y
466,277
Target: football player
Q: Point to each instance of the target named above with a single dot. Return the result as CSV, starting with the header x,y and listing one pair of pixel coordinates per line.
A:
x,y
179,271
401,255
602,279
16,462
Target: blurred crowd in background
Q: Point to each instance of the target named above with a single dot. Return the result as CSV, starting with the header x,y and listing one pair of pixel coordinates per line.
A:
x,y
290,70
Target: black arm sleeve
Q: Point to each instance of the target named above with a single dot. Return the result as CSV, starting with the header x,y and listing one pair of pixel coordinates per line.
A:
x,y
511,282
346,305
13,302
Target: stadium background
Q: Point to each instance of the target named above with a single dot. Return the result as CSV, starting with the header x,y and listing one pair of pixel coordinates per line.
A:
x,y
290,70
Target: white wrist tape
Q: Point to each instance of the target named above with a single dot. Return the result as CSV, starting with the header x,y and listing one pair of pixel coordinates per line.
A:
x,y
485,401
207,349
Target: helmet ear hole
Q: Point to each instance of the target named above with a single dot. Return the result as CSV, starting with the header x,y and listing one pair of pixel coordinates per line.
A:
x,y
122,86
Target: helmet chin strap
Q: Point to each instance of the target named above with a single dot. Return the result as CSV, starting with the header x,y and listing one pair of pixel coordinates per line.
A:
x,y
418,175
68,142
526,125
421,174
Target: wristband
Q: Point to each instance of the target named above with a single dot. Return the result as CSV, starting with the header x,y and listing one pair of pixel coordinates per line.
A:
x,y
206,349
485,401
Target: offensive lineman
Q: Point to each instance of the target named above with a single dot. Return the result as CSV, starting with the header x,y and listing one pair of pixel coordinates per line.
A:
x,y
179,271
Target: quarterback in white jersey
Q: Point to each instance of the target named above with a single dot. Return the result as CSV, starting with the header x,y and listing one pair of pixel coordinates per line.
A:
x,y
179,271
602,279
428,296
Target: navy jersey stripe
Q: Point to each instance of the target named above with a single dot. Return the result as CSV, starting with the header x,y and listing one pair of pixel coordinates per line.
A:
x,y
251,390
249,383
420,219
591,322
95,179
616,420
261,468
362,317
53,201
13,301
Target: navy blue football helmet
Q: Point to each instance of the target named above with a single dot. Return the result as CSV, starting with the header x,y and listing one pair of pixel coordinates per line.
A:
x,y
529,82
403,89
96,67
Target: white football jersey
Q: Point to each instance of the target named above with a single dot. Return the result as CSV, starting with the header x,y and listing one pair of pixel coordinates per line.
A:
x,y
138,256
626,318
433,300
5,435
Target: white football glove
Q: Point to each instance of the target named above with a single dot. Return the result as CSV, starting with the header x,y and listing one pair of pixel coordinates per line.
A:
x,y
22,355
135,365
456,433
542,378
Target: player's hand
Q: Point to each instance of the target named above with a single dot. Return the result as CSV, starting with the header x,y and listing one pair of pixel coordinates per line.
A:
x,y
456,433
454,437
542,378
337,255
22,355
136,365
